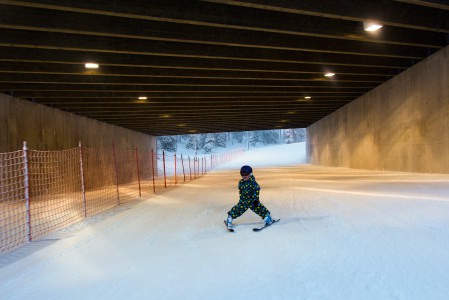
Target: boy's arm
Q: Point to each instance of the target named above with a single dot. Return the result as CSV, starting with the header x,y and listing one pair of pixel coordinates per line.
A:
x,y
255,194
240,191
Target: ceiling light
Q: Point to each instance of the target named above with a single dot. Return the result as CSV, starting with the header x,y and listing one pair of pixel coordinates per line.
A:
x,y
329,74
91,66
143,98
307,97
371,26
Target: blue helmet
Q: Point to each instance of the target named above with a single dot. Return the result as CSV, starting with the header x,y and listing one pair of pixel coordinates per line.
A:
x,y
246,170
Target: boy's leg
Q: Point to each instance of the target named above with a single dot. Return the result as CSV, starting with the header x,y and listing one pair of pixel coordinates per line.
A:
x,y
260,209
238,209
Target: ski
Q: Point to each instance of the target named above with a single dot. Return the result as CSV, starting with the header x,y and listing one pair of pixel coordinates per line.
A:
x,y
265,226
229,229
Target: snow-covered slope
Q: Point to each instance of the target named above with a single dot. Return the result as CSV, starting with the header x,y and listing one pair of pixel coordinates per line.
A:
x,y
344,234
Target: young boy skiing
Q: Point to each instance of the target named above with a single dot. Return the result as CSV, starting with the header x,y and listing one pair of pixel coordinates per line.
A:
x,y
249,198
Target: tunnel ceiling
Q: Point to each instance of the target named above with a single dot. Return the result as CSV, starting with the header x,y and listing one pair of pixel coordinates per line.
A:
x,y
210,66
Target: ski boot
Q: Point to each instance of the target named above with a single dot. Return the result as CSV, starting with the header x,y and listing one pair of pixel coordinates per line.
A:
x,y
268,220
229,222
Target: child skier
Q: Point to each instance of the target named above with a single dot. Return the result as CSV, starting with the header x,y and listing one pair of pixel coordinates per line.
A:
x,y
249,198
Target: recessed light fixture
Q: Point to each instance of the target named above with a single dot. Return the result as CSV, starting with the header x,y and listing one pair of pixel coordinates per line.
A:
x,y
329,74
307,97
143,98
371,26
91,66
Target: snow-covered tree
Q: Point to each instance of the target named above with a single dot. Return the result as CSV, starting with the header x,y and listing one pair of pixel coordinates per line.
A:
x,y
201,140
269,137
185,137
192,142
167,143
209,143
220,139
288,136
238,136
253,137
300,134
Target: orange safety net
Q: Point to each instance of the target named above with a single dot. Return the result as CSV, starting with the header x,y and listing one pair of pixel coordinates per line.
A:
x,y
13,207
41,191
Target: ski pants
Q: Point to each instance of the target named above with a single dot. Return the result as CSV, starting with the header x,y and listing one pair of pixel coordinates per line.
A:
x,y
243,206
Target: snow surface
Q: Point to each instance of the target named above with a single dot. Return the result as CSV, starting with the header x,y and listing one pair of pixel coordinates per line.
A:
x,y
344,234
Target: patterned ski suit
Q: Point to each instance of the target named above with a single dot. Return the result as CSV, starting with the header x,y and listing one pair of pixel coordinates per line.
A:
x,y
249,198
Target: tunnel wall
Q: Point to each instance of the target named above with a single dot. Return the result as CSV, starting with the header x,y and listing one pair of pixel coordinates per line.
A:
x,y
401,125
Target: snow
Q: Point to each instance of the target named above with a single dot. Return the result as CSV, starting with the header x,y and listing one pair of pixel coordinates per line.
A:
x,y
343,234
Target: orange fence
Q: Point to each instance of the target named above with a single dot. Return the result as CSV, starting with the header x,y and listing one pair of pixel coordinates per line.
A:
x,y
41,191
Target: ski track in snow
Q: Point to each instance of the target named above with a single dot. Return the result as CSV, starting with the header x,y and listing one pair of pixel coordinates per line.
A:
x,y
343,234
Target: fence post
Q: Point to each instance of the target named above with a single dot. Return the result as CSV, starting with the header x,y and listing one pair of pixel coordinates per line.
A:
x,y
190,168
138,172
26,181
194,167
175,167
116,172
152,168
165,175
83,190
183,170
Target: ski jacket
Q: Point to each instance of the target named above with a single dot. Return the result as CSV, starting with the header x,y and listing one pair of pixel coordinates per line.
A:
x,y
249,190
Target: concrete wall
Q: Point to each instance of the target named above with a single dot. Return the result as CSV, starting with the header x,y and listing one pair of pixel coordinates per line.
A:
x,y
401,125
46,128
